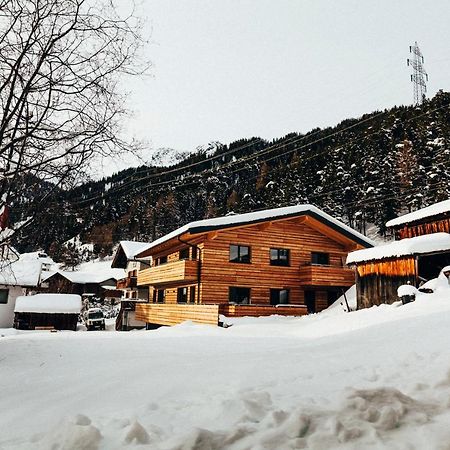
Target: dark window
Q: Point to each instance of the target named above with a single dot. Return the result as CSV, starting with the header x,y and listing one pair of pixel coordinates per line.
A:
x,y
319,258
162,259
192,294
161,296
239,295
310,301
279,257
184,253
279,296
3,296
239,253
194,252
182,295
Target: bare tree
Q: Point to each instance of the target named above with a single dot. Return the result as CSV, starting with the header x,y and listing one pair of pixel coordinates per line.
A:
x,y
62,63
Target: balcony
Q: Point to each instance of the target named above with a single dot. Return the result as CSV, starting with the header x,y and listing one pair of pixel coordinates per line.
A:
x,y
318,275
125,283
184,270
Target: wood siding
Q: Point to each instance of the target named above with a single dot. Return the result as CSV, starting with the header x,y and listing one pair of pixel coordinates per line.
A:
x,y
261,310
176,271
427,226
218,274
328,276
174,314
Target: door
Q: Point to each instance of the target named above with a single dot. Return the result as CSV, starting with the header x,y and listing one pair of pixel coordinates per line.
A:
x,y
310,301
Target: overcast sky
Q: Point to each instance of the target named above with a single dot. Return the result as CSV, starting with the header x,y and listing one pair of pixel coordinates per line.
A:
x,y
228,69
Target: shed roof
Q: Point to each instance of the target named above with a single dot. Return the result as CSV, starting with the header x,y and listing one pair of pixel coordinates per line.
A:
x,y
429,243
49,303
423,213
204,226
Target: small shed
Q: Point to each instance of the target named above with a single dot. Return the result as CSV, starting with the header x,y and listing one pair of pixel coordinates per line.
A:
x,y
58,311
431,219
381,270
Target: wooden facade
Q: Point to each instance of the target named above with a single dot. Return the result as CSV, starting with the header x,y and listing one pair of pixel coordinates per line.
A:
x,y
33,321
379,279
438,224
197,268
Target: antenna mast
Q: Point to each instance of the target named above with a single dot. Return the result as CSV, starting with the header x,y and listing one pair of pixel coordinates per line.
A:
x,y
419,76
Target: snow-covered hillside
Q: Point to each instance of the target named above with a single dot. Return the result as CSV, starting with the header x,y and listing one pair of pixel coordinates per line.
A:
x,y
375,378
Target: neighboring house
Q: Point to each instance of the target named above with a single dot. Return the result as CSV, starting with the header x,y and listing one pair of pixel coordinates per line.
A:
x,y
124,258
421,250
93,279
259,263
20,275
47,311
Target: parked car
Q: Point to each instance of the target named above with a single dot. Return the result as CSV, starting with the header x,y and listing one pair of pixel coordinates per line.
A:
x,y
94,318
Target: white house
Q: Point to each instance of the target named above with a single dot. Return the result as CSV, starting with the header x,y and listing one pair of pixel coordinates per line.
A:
x,y
19,275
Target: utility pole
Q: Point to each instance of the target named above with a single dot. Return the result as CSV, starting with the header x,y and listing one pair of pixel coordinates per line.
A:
x,y
419,77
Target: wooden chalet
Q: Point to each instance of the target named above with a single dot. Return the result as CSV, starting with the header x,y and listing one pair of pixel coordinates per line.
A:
x,y
287,261
131,293
421,250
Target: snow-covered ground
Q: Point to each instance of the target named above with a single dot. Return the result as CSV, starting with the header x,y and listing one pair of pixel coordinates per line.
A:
x,y
377,378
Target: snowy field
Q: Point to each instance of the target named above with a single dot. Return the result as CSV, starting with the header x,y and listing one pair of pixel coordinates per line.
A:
x,y
377,378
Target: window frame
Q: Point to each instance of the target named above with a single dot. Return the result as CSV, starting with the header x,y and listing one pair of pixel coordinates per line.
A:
x,y
319,254
184,295
183,251
232,302
280,262
279,291
6,291
239,257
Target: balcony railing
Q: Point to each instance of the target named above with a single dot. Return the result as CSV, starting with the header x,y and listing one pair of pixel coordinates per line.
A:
x,y
125,283
181,271
318,275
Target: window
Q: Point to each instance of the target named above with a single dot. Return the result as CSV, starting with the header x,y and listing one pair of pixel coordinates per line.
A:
x,y
239,253
160,296
162,260
182,295
322,259
279,296
194,252
3,296
184,253
239,295
192,294
279,257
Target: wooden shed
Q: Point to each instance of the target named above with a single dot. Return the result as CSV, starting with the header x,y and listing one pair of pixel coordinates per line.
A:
x,y
381,270
50,311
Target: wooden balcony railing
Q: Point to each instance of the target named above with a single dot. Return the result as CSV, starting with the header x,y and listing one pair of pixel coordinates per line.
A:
x,y
181,271
124,283
316,275
172,314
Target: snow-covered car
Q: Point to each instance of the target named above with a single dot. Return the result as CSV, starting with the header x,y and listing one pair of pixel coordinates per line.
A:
x,y
94,318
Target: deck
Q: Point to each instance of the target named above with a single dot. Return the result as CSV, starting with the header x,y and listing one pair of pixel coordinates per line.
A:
x,y
317,275
181,271
173,314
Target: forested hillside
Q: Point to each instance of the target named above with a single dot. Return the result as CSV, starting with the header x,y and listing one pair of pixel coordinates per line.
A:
x,y
362,171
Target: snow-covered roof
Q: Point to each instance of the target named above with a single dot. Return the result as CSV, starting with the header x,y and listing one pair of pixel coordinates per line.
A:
x,y
126,251
89,272
429,211
428,243
132,248
26,271
202,226
49,303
